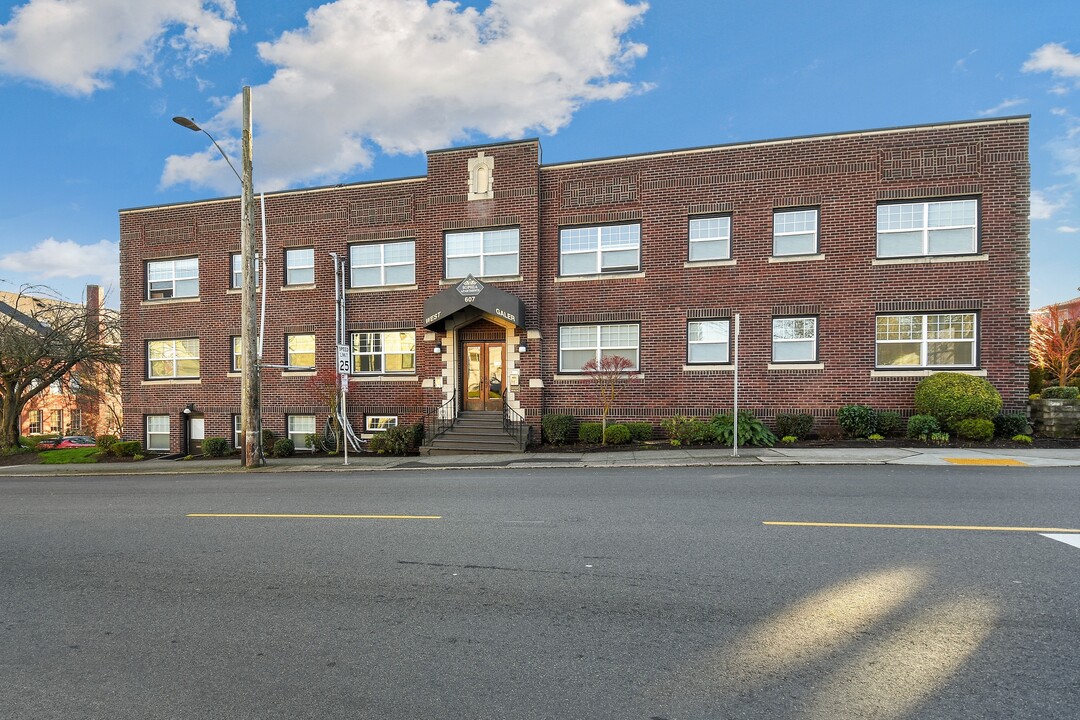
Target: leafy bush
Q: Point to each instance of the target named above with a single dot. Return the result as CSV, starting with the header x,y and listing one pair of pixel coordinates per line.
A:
x,y
589,432
557,428
399,440
215,447
683,430
416,434
951,397
1010,424
640,431
857,420
617,434
795,424
1060,393
1036,379
789,439
940,438
314,441
125,449
268,438
284,447
1026,439
975,429
751,430
921,427
32,441
876,438
107,441
887,422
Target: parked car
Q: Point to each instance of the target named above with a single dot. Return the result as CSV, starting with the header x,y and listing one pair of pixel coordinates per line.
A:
x,y
68,441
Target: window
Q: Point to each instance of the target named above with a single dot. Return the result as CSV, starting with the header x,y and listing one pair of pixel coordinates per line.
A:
x,y
580,343
56,421
237,277
237,354
795,232
927,228
486,253
237,433
300,351
707,341
76,421
594,250
172,358
384,352
36,422
943,340
172,279
300,266
157,432
298,428
710,238
794,340
376,264
379,423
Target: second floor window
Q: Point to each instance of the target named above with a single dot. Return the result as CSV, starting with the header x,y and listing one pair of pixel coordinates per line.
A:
x,y
377,264
580,343
794,339
172,279
300,352
710,238
707,341
795,232
927,228
300,266
237,354
236,261
602,249
384,352
172,359
485,253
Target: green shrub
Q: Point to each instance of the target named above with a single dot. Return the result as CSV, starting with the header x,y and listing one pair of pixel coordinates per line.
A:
x,y
857,420
268,438
125,449
1036,379
876,438
789,439
640,431
557,428
396,440
1025,439
1010,424
951,397
284,447
975,429
1056,392
313,441
617,434
751,430
107,441
32,441
215,447
921,427
416,434
796,424
940,438
887,422
683,430
590,432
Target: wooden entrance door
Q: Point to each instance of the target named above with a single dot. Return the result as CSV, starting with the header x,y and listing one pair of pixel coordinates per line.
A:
x,y
196,434
482,377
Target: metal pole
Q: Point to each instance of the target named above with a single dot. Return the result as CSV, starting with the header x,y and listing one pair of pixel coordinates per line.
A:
x,y
735,384
250,385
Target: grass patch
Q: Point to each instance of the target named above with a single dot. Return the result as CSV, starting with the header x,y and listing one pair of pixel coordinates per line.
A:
x,y
69,456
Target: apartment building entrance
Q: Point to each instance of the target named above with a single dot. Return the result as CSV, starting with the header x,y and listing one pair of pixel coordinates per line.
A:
x,y
483,375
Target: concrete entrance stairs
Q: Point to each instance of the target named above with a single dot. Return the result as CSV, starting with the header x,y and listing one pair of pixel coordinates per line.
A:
x,y
475,431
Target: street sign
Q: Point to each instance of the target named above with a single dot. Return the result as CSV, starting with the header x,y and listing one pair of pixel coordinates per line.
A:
x,y
344,383
344,360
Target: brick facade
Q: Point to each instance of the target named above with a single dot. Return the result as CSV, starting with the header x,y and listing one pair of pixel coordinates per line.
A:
x,y
844,284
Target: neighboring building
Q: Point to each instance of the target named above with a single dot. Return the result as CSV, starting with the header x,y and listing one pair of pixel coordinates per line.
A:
x,y
857,263
1069,309
82,403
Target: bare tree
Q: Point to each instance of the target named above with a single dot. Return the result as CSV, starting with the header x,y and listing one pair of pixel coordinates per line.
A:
x,y
1055,343
325,387
609,375
43,341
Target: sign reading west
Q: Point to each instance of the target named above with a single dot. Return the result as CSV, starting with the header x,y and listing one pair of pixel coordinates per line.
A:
x,y
471,292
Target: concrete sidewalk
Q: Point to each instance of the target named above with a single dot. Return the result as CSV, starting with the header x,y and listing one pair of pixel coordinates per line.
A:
x,y
658,457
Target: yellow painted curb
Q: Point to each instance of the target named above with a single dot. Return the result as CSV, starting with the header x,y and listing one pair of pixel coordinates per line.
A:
x,y
985,461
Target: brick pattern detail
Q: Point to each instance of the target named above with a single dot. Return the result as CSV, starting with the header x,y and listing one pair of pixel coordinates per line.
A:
x,y
600,191
793,201
377,235
601,218
760,175
381,325
703,314
470,223
910,163
791,310
928,305
607,317
170,233
929,192
299,218
381,211
710,208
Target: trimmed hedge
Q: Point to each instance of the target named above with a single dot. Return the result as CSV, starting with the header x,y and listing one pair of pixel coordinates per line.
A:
x,y
215,447
857,420
397,440
794,424
921,427
131,448
1056,392
640,431
975,429
886,422
1011,424
557,428
617,434
590,432
106,441
284,447
951,397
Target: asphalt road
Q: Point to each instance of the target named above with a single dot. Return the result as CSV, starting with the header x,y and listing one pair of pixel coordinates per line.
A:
x,y
651,594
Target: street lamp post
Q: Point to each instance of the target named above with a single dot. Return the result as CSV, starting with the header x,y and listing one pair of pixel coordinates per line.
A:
x,y
250,383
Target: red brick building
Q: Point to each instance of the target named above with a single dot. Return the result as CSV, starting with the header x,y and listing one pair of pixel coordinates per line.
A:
x,y
857,263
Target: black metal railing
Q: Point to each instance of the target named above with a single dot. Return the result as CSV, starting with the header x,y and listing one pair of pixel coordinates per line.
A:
x,y
439,419
514,424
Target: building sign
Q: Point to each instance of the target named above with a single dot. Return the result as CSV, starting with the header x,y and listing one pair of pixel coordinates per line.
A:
x,y
470,292
470,286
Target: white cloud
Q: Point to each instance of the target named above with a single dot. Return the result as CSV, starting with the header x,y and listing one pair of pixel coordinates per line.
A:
x,y
52,258
1003,105
1068,229
404,76
75,45
1055,59
1043,206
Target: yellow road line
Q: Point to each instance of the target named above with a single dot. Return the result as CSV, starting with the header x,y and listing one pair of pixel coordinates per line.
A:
x,y
922,527
297,515
985,461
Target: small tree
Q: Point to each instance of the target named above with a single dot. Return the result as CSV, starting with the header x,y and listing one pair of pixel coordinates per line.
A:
x,y
1055,343
610,375
325,387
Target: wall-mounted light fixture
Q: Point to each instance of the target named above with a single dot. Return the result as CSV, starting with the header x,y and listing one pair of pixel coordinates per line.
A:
x,y
189,408
437,349
522,348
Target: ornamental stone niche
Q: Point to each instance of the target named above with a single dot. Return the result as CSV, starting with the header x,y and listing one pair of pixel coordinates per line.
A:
x,y
481,177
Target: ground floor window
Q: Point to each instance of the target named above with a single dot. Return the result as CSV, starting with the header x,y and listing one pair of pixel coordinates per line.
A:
x,y
157,432
34,427
930,340
580,343
237,433
56,421
384,352
707,341
76,423
299,427
379,423
794,339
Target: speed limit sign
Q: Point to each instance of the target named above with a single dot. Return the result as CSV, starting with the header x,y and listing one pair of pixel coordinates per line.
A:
x,y
344,360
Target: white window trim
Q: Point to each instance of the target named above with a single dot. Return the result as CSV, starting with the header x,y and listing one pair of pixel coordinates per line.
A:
x,y
601,349
376,427
794,233
924,343
689,342
599,252
482,255
382,264
166,433
172,262
39,422
300,444
174,359
814,344
289,268
238,433
289,353
925,229
691,240
411,372
236,283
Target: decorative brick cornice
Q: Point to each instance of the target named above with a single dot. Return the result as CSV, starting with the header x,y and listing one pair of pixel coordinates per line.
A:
x,y
375,235
791,310
170,233
708,314
601,317
710,208
515,193
759,175
600,218
908,163
927,305
600,191
381,211
929,192
382,325
471,223
300,218
792,201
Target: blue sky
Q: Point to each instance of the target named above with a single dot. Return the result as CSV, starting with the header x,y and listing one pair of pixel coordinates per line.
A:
x,y
357,89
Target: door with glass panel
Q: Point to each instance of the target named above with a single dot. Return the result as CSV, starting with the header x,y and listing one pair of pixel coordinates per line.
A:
x,y
482,375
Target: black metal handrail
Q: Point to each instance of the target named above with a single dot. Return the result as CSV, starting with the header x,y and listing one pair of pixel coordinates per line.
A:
x,y
439,419
514,424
